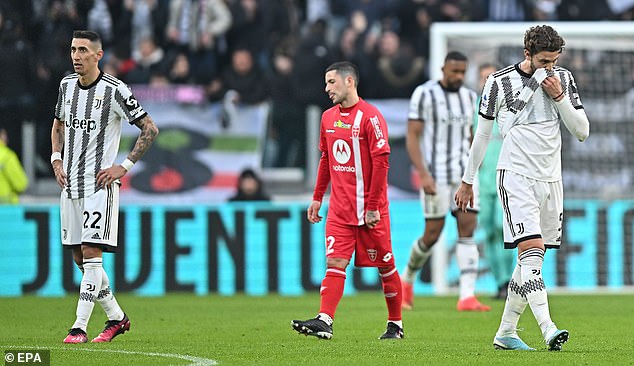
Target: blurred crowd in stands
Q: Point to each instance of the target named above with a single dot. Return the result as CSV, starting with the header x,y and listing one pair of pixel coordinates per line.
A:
x,y
265,50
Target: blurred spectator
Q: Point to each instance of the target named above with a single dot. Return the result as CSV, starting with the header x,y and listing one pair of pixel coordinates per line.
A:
x,y
17,78
398,69
180,71
545,10
249,188
415,25
312,54
13,179
243,77
149,61
253,21
287,115
584,10
140,20
195,27
100,20
506,10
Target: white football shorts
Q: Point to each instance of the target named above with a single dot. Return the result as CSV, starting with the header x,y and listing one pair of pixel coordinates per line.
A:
x,y
91,220
532,209
438,205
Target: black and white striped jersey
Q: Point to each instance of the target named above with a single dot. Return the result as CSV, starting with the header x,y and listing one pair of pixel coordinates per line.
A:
x,y
448,117
92,116
531,134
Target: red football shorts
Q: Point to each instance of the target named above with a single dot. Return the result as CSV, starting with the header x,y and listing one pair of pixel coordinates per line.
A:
x,y
372,247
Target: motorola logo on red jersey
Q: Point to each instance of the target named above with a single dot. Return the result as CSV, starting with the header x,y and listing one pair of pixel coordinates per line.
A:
x,y
342,153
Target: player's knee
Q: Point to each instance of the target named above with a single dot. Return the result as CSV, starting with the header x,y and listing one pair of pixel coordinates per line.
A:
x,y
337,262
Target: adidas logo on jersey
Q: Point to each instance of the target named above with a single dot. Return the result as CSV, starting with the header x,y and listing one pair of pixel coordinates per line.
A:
x,y
96,236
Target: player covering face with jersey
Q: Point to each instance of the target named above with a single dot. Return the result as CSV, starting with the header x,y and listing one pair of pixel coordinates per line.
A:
x,y
529,100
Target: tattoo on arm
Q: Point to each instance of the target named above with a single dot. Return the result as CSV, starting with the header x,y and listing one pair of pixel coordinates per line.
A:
x,y
57,138
149,131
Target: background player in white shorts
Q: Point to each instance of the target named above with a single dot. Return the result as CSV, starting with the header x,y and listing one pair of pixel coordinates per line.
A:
x,y
439,133
91,106
529,100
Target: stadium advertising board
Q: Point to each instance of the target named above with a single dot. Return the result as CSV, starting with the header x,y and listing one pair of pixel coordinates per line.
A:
x,y
270,248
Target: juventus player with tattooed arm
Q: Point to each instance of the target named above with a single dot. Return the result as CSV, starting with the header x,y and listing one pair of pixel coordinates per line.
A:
x,y
439,133
530,100
91,106
354,159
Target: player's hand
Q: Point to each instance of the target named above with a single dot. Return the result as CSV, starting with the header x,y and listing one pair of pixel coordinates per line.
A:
x,y
313,212
372,218
464,196
427,183
105,177
60,176
552,86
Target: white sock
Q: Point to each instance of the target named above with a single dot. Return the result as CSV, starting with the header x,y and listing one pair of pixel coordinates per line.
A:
x,y
514,306
468,258
88,291
418,256
107,300
533,286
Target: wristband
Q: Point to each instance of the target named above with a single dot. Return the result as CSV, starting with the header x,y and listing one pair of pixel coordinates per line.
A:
x,y
56,156
557,97
127,164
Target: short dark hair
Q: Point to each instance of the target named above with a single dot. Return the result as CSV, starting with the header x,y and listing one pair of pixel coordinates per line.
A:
x,y
87,34
542,38
345,68
455,56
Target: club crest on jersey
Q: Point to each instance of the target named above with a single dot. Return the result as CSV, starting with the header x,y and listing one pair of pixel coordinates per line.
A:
x,y
338,123
371,254
98,102
355,131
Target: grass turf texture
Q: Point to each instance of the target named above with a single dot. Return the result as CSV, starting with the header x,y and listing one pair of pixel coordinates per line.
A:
x,y
243,330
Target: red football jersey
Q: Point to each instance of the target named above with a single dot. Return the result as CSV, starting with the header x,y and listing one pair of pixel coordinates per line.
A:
x,y
350,138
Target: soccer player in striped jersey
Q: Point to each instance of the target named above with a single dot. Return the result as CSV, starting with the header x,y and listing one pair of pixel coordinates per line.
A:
x,y
354,160
91,105
530,100
439,133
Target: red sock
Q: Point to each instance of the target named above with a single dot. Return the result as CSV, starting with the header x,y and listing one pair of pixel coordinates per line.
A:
x,y
393,293
332,290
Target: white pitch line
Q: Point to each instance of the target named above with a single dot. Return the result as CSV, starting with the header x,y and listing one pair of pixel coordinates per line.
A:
x,y
195,361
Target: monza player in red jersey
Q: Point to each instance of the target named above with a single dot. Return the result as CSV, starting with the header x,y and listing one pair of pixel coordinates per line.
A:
x,y
354,160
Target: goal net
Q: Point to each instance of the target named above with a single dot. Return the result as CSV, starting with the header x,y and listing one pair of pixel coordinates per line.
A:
x,y
601,57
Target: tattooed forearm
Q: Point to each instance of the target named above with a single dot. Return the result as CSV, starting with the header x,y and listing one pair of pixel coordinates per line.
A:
x,y
149,131
57,136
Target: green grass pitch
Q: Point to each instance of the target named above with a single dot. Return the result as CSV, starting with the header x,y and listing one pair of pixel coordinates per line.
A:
x,y
183,329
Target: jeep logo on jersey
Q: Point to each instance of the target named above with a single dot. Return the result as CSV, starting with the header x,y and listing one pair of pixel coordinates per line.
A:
x,y
341,151
84,124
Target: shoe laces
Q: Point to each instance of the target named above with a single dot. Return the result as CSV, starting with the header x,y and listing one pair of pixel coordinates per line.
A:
x,y
112,323
393,327
76,331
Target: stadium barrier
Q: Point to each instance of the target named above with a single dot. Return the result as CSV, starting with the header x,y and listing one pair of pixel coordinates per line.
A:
x,y
264,248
